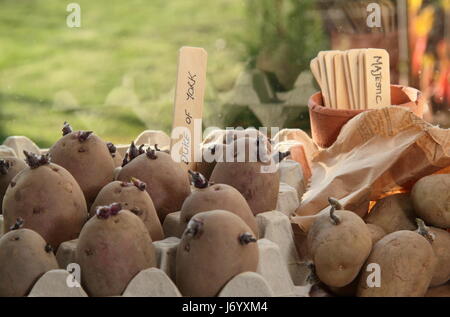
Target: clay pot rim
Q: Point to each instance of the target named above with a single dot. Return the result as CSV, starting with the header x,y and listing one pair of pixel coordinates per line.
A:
x,y
315,103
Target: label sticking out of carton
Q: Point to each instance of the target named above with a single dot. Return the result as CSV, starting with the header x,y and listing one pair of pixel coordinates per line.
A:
x,y
188,109
377,85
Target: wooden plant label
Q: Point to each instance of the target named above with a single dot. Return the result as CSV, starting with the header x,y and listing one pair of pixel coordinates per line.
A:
x,y
340,83
329,58
362,80
323,75
188,109
352,60
378,89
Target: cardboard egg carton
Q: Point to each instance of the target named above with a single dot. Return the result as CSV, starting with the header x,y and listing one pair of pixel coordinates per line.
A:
x,y
252,89
14,146
280,270
271,279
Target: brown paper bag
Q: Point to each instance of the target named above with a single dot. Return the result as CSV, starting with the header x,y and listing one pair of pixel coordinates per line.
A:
x,y
377,152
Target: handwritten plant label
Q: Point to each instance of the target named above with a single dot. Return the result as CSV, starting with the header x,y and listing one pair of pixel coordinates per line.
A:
x,y
188,109
378,89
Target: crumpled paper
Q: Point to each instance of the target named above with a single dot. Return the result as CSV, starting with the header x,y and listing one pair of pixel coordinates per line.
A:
x,y
377,152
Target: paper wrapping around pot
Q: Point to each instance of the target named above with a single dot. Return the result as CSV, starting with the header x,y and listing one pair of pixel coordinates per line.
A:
x,y
377,152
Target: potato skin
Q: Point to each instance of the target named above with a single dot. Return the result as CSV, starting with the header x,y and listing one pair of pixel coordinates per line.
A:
x,y
118,159
229,136
431,200
16,166
339,251
407,263
206,168
23,260
441,248
215,146
49,200
376,232
167,181
90,162
218,196
131,198
244,171
112,251
207,261
393,213
259,189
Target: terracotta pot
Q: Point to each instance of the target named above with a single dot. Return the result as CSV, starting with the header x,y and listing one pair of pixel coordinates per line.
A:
x,y
326,123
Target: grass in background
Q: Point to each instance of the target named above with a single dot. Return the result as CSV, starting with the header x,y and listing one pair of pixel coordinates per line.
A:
x,y
115,74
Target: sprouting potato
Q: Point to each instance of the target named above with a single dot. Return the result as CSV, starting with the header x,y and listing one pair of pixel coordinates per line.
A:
x,y
216,246
113,247
134,197
216,196
9,167
87,158
339,244
49,200
24,258
167,181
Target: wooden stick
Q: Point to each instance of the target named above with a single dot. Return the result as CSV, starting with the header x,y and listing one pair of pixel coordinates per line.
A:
x,y
188,108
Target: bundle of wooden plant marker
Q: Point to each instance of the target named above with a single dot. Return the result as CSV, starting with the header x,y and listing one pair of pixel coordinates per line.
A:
x,y
355,79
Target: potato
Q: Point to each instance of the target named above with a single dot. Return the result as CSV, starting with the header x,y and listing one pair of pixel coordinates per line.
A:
x,y
440,241
431,200
87,158
338,244
210,151
24,258
167,181
393,213
132,196
116,156
9,167
113,247
48,198
216,246
252,173
376,232
407,262
215,145
228,136
216,196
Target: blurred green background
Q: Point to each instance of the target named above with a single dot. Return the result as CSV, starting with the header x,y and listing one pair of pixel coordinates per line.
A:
x,y
116,74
